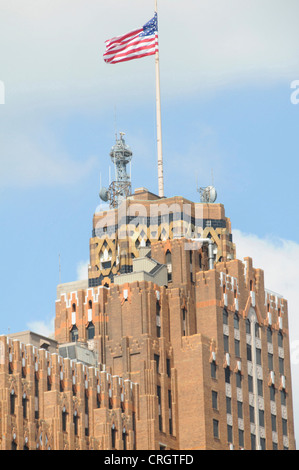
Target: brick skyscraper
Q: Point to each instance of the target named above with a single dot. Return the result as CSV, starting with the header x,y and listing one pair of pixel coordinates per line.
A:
x,y
171,343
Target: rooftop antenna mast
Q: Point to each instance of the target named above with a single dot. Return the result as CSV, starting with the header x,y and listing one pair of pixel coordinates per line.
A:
x,y
121,188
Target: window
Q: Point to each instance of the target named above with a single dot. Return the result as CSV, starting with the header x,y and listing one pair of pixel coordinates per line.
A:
x,y
134,429
90,330
249,352
225,317
280,339
24,404
248,328
283,397
262,418
250,383
86,409
257,331
240,409
157,360
263,443
251,414
191,269
284,427
214,400
64,416
258,356
12,402
227,375
158,319
213,370
216,428
281,366
124,437
61,384
168,367
113,436
236,321
270,361
269,335
260,387
273,423
184,311
253,441
241,438
159,406
74,334
237,348
14,445
225,343
169,265
238,380
229,433
75,421
170,411
272,393
228,405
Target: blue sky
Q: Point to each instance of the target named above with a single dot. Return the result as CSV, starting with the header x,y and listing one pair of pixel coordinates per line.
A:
x,y
226,74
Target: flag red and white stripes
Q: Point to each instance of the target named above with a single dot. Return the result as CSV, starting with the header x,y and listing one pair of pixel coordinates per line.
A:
x,y
134,45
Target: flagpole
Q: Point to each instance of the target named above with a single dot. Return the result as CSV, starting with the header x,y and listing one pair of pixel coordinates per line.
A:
x,y
159,120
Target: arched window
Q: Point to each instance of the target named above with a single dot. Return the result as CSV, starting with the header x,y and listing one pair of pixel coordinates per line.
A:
x,y
168,262
75,421
90,330
124,437
14,445
158,319
113,436
12,402
64,419
269,335
280,339
74,334
236,321
24,404
184,315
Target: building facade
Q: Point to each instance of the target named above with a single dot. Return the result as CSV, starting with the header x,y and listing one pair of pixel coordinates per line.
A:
x,y
171,343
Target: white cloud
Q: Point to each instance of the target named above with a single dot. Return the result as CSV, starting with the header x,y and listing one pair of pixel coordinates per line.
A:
x,y
32,156
45,328
279,259
82,270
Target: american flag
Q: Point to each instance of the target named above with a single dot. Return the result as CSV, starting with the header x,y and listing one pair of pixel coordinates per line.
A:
x,y
139,43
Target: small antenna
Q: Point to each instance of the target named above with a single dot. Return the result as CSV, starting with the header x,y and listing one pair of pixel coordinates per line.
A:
x,y
212,175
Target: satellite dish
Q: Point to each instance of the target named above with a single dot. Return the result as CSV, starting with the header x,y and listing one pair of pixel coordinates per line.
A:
x,y
104,194
208,194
